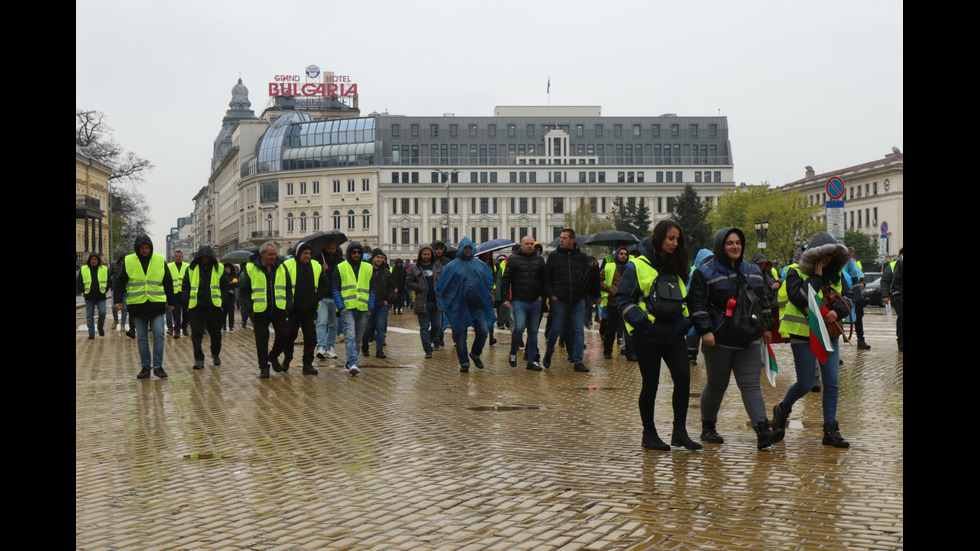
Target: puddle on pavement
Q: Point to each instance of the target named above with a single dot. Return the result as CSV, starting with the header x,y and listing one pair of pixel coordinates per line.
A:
x,y
502,408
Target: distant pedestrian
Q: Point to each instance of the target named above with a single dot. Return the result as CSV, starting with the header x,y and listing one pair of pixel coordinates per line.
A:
x,y
383,285
203,292
92,281
229,291
327,320
354,300
612,274
523,283
562,277
149,290
464,292
309,287
267,296
177,320
422,279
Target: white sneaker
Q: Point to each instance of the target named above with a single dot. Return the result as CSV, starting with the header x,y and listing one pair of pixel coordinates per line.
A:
x,y
331,353
321,353
353,370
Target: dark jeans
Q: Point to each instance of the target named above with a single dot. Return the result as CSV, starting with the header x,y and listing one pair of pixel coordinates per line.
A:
x,y
898,305
200,321
261,323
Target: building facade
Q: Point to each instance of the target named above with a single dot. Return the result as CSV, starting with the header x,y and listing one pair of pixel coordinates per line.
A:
x,y
399,181
873,193
92,226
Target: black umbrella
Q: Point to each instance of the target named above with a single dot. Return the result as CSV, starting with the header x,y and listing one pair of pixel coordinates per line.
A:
x,y
493,245
236,257
319,238
610,238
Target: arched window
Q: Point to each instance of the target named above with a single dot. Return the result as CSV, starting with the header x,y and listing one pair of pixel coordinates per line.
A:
x,y
366,219
336,219
351,219
290,223
316,219
302,222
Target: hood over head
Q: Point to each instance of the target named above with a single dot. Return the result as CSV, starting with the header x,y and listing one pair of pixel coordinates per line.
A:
x,y
143,238
703,256
821,245
89,258
465,242
759,258
303,246
352,246
422,247
719,245
205,250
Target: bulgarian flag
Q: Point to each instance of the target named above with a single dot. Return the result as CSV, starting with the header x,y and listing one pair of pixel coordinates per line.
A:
x,y
820,343
769,362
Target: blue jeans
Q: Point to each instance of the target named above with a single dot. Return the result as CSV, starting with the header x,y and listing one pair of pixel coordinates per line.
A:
x,y
561,312
429,319
378,324
804,359
90,315
143,327
326,324
355,321
526,315
174,320
479,340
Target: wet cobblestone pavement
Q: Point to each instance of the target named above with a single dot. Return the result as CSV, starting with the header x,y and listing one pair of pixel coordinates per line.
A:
x,y
412,454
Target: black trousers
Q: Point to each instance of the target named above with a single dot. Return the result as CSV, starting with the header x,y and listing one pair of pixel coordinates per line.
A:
x,y
201,320
675,356
307,322
261,322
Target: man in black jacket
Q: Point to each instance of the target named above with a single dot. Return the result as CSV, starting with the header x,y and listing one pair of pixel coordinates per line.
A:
x,y
203,296
310,285
93,282
267,294
522,290
562,276
326,316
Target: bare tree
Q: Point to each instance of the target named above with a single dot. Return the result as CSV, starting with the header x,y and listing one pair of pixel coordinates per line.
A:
x,y
94,134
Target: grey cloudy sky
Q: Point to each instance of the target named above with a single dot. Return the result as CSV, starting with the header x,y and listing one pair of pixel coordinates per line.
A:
x,y
814,83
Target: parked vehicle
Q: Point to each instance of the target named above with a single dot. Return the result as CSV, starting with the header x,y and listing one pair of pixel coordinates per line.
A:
x,y
872,289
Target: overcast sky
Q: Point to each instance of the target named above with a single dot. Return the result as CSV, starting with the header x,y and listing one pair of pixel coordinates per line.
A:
x,y
802,83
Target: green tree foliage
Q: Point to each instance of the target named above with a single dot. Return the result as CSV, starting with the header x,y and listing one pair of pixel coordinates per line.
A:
x,y
691,214
585,220
633,218
790,216
865,246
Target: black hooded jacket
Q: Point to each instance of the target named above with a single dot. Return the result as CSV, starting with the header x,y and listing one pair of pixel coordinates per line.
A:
x,y
204,292
93,293
717,281
147,309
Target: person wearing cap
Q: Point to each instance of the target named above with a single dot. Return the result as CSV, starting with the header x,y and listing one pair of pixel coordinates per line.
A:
x,y
202,291
268,296
354,299
309,287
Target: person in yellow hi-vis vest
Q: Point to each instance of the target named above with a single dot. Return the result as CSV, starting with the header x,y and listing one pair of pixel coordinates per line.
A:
x,y
93,282
819,267
651,297
354,298
202,293
149,292
310,285
267,294
177,320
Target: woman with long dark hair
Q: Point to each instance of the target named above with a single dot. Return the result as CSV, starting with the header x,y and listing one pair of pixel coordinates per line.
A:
x,y
651,300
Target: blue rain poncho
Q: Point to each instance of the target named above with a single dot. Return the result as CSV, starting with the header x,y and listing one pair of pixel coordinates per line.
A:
x,y
465,290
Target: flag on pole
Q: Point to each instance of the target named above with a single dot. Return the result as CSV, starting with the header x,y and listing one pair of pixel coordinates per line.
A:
x,y
549,84
820,343
769,362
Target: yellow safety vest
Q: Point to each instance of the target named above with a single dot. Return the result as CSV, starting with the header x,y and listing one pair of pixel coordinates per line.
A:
x,y
645,276
290,265
215,285
355,292
609,269
782,296
792,320
259,285
177,274
148,285
103,278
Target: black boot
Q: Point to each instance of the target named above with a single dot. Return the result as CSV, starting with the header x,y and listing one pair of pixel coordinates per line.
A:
x,y
709,434
764,434
652,441
832,437
680,438
862,345
779,418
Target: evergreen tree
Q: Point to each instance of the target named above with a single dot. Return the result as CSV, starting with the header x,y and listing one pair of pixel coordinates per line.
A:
x,y
641,220
691,214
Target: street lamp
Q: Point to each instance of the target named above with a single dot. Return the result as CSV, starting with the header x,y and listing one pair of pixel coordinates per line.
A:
x,y
761,229
446,178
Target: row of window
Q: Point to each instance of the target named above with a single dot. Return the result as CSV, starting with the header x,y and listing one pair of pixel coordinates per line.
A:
x,y
351,188
473,130
337,219
518,205
590,177
580,153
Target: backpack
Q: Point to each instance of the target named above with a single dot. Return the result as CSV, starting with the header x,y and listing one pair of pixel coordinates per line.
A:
x,y
665,301
745,324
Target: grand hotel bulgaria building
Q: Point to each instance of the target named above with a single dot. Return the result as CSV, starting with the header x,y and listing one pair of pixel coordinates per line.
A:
x,y
396,182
